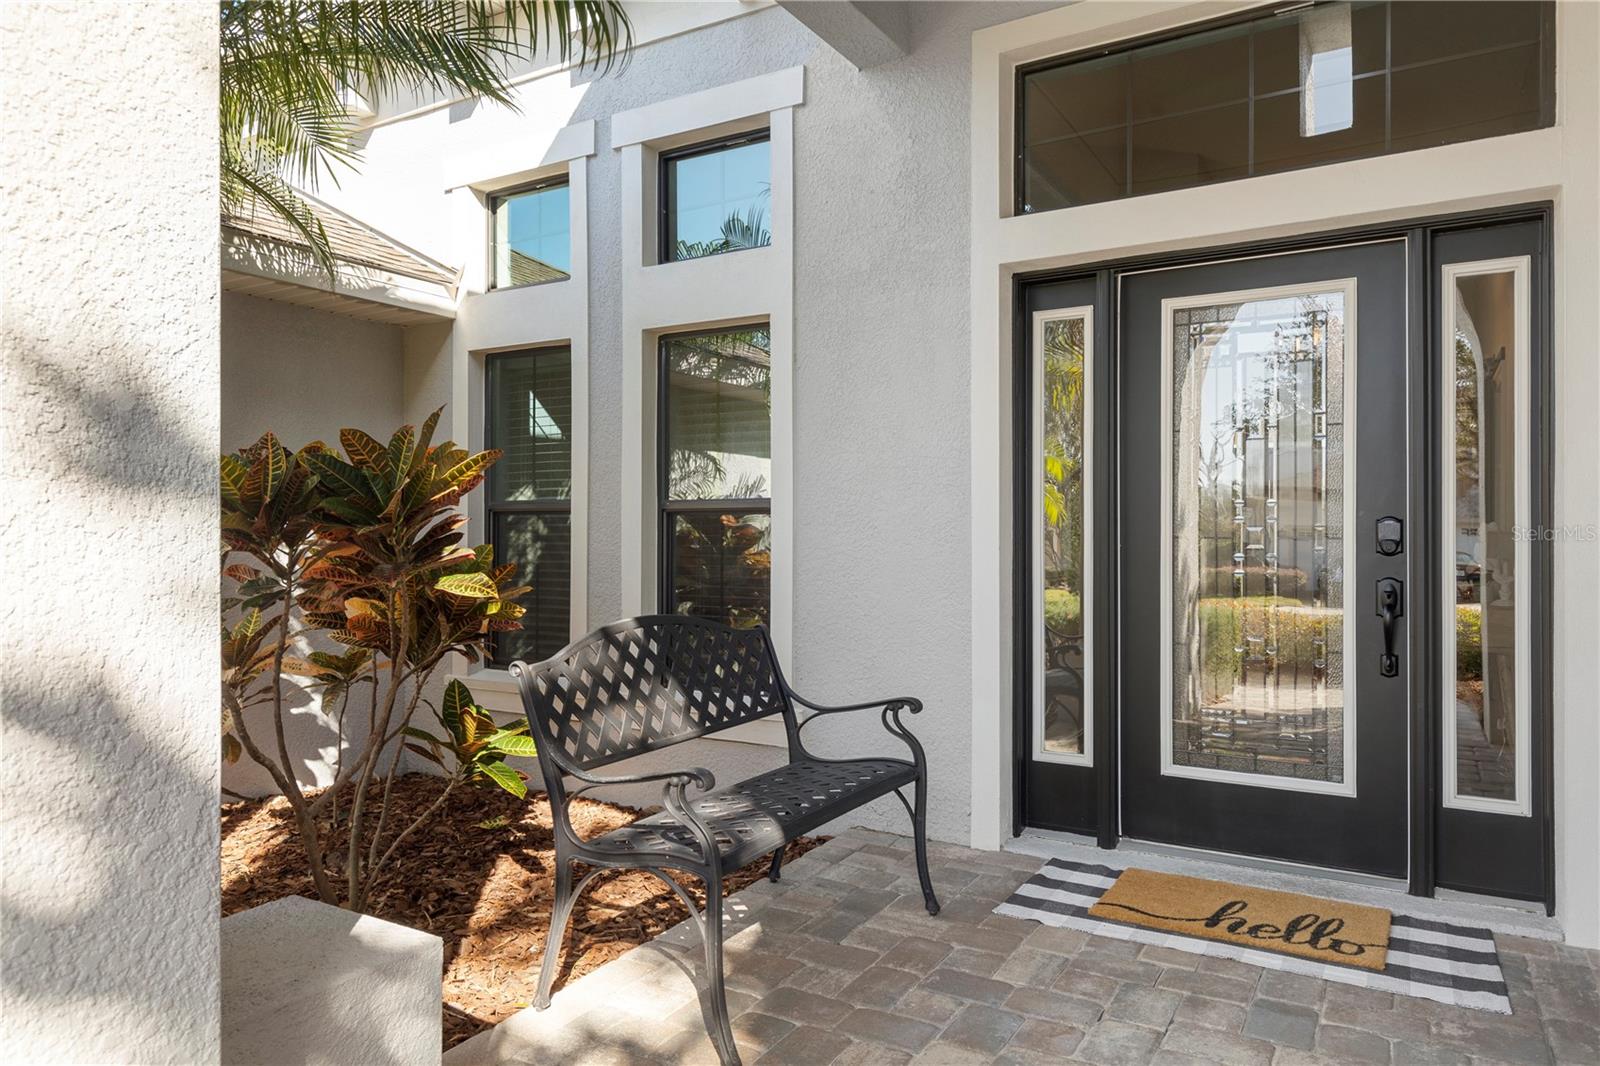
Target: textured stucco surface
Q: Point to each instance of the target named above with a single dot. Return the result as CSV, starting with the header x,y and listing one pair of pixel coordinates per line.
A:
x,y
305,374
306,983
109,671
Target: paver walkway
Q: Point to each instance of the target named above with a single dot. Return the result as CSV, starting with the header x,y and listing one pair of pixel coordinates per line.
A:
x,y
838,963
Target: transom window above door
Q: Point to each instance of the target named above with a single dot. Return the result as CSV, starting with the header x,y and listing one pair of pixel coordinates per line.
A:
x,y
1276,91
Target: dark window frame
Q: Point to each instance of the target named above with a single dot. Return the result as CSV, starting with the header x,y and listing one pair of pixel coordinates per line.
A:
x,y
1547,93
666,226
492,510
555,181
667,509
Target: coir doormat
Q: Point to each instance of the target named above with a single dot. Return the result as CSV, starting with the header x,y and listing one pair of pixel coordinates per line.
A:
x,y
1426,958
1322,929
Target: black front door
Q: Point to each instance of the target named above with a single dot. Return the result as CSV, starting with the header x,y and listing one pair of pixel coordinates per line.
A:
x,y
1263,518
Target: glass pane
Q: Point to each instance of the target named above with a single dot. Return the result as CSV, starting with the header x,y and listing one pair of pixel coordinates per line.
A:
x,y
1257,565
1310,86
531,237
1463,99
719,200
1062,535
541,546
1201,70
1486,359
1077,170
1174,153
721,566
1437,29
530,419
1283,144
719,415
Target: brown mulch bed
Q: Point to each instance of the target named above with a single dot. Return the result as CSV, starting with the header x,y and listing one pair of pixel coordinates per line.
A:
x,y
479,874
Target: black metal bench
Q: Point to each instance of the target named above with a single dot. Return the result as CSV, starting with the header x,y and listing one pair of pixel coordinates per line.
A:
x,y
648,683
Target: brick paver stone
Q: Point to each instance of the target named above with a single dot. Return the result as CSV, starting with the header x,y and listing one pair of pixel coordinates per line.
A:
x,y
1282,1023
981,1028
892,1029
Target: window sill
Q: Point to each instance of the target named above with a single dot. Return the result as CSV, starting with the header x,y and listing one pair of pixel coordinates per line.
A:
x,y
527,285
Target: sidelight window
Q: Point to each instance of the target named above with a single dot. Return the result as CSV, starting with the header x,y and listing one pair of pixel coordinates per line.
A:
x,y
1062,483
1487,547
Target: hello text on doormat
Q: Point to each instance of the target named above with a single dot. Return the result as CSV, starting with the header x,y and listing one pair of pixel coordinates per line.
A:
x,y
1310,927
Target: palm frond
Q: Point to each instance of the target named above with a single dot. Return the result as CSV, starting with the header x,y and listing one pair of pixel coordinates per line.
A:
x,y
287,67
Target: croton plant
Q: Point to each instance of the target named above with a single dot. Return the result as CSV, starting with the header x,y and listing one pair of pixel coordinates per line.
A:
x,y
360,549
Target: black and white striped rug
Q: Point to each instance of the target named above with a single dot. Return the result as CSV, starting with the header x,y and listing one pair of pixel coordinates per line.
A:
x,y
1435,960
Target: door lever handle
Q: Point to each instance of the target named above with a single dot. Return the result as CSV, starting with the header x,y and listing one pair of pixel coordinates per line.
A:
x,y
1391,607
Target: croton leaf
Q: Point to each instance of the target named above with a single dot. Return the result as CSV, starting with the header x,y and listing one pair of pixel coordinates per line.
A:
x,y
336,475
472,586
364,451
472,467
457,701
512,742
505,777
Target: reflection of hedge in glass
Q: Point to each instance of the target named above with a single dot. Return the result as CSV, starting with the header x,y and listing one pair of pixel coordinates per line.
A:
x,y
1063,611
1223,623
722,565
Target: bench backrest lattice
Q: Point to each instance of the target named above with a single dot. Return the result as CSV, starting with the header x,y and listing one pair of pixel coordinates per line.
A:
x,y
651,682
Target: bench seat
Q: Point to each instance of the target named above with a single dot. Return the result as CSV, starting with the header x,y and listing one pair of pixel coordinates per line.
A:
x,y
757,816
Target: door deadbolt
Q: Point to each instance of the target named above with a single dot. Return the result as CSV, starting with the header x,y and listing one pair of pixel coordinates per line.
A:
x,y
1391,535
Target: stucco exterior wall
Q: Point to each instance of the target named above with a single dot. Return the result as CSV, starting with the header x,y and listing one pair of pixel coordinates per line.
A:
x,y
305,374
109,674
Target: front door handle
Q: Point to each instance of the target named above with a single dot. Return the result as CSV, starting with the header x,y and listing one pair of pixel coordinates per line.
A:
x,y
1391,607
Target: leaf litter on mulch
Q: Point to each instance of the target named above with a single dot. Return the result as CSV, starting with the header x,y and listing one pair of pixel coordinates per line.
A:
x,y
478,874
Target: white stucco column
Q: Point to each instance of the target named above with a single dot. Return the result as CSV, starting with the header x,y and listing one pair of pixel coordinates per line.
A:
x,y
108,618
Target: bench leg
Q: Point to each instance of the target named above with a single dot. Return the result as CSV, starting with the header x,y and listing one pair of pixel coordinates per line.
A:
x,y
716,991
560,913
777,864
919,825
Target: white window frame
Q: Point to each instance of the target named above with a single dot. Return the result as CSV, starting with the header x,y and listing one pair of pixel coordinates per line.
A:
x,y
1520,267
1041,319
520,317
756,285
1351,694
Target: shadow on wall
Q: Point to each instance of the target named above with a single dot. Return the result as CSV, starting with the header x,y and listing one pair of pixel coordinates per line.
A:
x,y
110,787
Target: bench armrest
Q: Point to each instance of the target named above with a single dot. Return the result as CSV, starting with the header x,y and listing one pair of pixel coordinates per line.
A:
x,y
891,719
699,776
908,703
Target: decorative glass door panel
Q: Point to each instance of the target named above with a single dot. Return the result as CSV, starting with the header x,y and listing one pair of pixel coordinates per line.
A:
x,y
1262,590
1062,480
1260,391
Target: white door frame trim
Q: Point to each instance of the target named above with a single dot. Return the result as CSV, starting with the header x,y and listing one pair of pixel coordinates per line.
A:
x,y
1559,164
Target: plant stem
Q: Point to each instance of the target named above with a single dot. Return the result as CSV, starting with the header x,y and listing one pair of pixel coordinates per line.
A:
x,y
373,871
